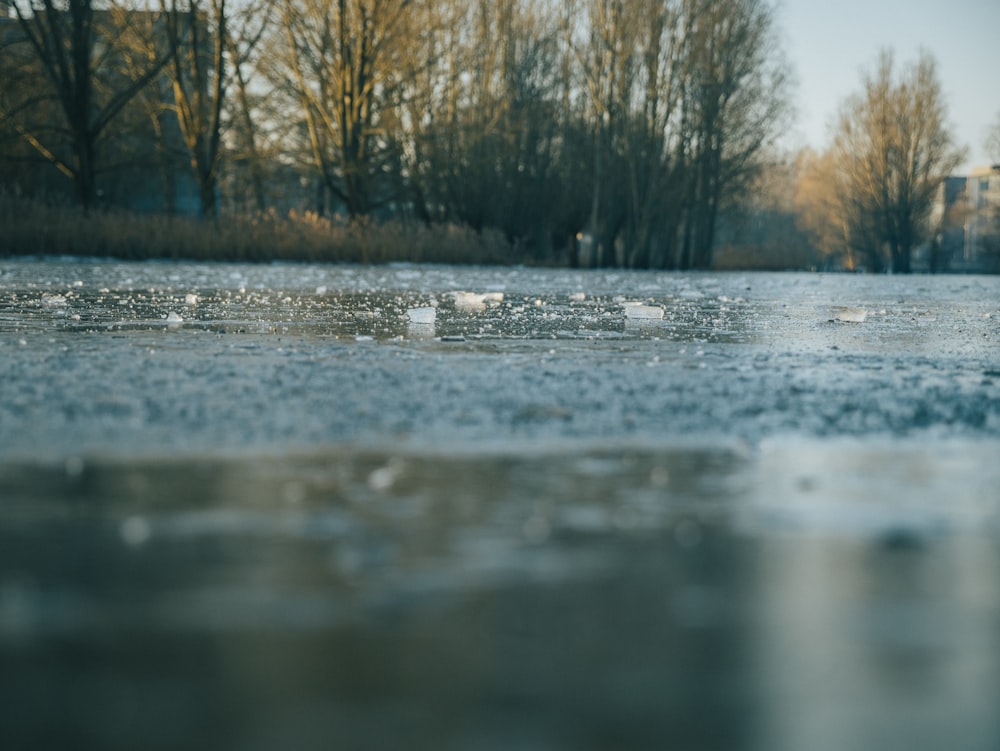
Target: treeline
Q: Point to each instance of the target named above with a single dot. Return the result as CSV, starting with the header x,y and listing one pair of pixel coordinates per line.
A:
x,y
596,132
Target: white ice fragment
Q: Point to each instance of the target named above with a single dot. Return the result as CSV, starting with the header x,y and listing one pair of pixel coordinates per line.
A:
x,y
190,299
383,478
846,314
53,301
421,315
475,300
174,318
578,296
321,290
469,301
640,310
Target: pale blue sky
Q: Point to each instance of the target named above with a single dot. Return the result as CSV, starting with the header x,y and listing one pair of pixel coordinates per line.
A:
x,y
830,42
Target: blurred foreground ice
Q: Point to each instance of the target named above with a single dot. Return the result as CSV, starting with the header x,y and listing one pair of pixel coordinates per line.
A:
x,y
296,506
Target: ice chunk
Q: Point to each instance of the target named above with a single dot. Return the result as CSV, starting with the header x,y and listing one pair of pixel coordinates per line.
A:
x,y
475,300
469,301
421,315
190,299
640,310
383,478
847,314
578,296
174,319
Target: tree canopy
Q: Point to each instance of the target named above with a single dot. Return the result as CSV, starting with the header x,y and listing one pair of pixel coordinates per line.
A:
x,y
891,152
602,131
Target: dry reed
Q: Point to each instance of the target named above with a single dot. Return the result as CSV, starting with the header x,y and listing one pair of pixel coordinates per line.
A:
x,y
34,227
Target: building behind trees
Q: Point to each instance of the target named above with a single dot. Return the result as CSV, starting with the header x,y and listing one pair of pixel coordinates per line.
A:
x,y
968,212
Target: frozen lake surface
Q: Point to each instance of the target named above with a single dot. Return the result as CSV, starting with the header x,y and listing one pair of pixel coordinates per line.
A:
x,y
297,506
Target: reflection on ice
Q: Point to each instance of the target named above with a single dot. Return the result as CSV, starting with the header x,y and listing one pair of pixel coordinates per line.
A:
x,y
446,578
491,581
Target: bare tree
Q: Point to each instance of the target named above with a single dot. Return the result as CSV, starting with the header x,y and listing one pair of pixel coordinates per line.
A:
x,y
196,33
736,97
502,121
603,50
433,100
242,39
76,46
649,140
893,149
683,96
345,62
821,211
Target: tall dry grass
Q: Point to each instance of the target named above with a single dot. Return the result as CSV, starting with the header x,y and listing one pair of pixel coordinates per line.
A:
x,y
34,227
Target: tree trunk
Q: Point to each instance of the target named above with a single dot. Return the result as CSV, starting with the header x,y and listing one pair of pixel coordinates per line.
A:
x,y
83,176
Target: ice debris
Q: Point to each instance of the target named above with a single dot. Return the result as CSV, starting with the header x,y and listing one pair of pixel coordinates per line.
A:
x,y
846,314
421,315
640,310
190,299
174,318
475,300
